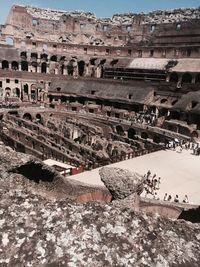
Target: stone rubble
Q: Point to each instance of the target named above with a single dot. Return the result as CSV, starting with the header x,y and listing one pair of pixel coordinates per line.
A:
x,y
121,183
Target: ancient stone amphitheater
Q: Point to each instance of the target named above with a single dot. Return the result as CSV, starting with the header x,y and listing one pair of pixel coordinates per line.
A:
x,y
84,92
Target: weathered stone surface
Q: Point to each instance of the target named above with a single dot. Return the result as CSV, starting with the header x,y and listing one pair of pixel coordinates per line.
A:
x,y
39,232
18,170
121,183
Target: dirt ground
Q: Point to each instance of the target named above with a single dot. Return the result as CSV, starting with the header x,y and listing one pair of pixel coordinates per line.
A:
x,y
179,172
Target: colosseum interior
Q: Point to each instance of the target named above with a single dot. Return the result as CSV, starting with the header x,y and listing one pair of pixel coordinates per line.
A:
x,y
85,92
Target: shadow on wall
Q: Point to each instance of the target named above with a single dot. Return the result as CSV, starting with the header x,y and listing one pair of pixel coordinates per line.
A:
x,y
35,172
192,215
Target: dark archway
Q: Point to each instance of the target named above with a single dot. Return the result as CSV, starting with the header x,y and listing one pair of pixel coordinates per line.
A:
x,y
27,116
5,64
15,65
8,92
53,58
187,78
175,115
144,135
163,100
81,67
16,92
197,79
44,67
44,57
173,77
135,108
26,88
63,99
24,65
23,55
34,65
120,130
131,133
34,56
156,139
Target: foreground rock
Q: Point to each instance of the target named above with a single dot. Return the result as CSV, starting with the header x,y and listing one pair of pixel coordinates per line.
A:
x,y
39,232
121,183
18,170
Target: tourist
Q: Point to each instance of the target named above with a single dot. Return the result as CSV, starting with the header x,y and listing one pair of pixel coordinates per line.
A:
x,y
176,199
165,197
185,200
148,173
158,183
169,198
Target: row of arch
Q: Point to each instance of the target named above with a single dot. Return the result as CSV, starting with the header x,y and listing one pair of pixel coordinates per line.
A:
x,y
24,66
131,134
186,77
44,67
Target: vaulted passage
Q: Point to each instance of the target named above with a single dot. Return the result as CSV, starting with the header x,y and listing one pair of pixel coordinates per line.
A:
x,y
81,67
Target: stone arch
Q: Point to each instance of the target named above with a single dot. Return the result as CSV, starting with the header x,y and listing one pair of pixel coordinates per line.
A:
x,y
24,65
34,64
187,78
26,88
70,67
120,130
50,99
8,92
16,92
23,55
27,116
5,64
44,57
173,77
114,62
53,58
81,67
34,56
9,41
156,139
15,65
144,135
163,100
174,102
92,61
103,61
131,133
197,78
44,67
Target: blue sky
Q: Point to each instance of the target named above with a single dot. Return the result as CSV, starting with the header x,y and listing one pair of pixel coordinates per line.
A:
x,y
102,8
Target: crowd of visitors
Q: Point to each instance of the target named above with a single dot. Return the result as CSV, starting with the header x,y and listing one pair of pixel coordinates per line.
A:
x,y
152,185
179,145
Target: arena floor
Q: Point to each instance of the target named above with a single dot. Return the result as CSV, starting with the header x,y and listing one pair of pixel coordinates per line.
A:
x,y
179,172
